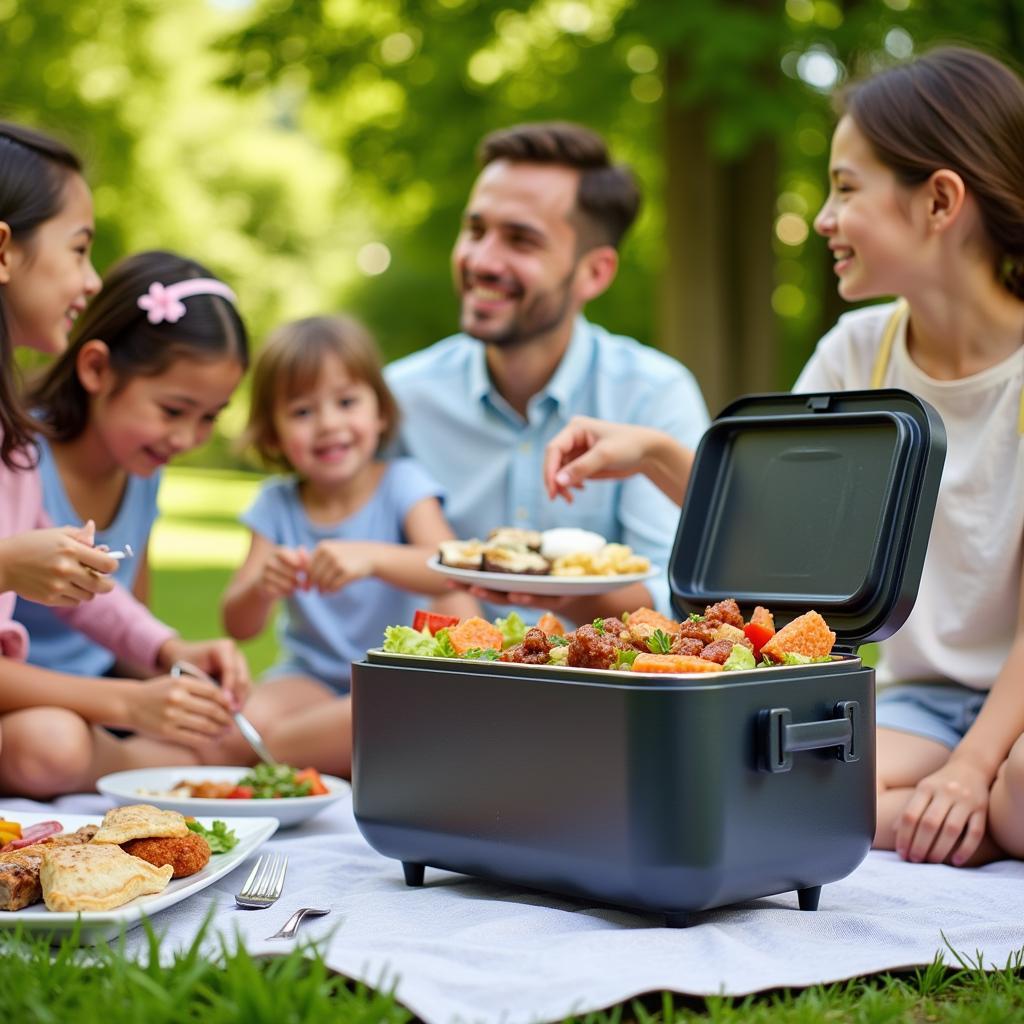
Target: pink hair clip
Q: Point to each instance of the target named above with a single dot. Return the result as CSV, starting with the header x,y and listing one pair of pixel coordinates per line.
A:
x,y
163,302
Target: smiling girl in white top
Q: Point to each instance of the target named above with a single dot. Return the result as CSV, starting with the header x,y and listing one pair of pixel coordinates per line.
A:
x,y
926,202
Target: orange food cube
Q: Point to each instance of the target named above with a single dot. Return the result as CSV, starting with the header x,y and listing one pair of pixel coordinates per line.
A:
x,y
673,663
808,634
475,633
649,617
551,625
763,617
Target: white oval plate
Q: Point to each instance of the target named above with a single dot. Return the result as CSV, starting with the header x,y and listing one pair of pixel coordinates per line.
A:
x,y
551,586
106,925
141,785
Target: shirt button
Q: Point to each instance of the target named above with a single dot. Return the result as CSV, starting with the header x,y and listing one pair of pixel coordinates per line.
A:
x,y
522,513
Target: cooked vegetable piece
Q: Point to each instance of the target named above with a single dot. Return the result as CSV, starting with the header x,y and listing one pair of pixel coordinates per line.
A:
x,y
432,621
673,663
475,632
551,625
807,634
758,634
312,776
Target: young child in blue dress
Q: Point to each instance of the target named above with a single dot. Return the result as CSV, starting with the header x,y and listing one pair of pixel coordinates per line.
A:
x,y
152,361
342,540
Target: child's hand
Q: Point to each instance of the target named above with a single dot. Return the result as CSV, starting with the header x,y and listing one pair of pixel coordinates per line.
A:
x,y
284,572
588,448
180,709
336,563
58,566
946,816
220,659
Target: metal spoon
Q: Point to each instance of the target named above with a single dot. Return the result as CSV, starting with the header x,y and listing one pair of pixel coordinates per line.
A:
x,y
245,727
293,922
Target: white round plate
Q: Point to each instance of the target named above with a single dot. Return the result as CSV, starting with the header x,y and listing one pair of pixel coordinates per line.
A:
x,y
551,586
141,786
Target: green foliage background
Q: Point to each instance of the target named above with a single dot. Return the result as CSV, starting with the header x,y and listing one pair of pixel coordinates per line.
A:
x,y
277,140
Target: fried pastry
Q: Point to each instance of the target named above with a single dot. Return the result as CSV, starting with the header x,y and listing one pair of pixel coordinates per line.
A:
x,y
97,877
139,821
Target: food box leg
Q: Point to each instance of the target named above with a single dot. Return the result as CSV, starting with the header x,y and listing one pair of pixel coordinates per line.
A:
x,y
413,873
809,897
677,919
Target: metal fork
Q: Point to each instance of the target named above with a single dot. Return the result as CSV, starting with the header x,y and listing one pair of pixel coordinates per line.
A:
x,y
264,884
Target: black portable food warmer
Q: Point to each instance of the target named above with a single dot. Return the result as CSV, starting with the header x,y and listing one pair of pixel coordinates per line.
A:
x,y
676,793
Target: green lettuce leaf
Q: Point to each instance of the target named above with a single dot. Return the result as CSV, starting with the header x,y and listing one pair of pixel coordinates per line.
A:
x,y
406,640
740,658
220,838
513,629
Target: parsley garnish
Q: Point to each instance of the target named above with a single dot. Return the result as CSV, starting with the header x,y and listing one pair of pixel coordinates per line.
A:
x,y
558,641
659,642
598,624
220,838
625,659
695,617
482,653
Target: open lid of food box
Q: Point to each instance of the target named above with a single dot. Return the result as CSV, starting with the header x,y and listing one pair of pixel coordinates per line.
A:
x,y
820,501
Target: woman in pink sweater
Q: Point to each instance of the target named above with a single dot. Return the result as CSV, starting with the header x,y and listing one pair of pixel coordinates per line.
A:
x,y
50,736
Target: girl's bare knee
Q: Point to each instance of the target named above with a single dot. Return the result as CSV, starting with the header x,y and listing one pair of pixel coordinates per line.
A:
x,y
46,752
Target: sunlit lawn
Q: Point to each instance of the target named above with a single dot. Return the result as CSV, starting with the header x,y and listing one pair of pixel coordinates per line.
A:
x,y
197,544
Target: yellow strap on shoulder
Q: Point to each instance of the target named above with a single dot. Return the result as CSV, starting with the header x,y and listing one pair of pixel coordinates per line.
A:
x,y
888,337
885,353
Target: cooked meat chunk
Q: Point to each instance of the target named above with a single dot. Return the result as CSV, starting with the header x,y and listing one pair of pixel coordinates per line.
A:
x,y
689,645
702,631
724,611
533,650
19,869
207,789
717,652
185,854
590,649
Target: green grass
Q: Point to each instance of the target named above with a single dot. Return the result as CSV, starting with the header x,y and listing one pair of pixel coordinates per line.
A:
x,y
196,546
40,984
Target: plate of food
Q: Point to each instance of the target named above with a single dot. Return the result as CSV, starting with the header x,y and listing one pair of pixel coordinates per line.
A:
x,y
280,791
107,873
564,561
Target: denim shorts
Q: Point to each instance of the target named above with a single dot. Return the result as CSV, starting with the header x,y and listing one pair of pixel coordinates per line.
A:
x,y
942,712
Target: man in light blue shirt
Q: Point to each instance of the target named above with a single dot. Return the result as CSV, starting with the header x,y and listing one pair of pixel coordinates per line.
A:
x,y
538,241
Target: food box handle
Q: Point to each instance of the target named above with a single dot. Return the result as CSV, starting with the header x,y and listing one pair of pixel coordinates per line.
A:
x,y
780,738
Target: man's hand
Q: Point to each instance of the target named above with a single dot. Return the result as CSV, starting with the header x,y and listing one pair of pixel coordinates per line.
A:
x,y
58,566
946,815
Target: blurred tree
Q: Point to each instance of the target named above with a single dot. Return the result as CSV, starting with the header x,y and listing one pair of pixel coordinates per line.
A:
x,y
318,152
721,107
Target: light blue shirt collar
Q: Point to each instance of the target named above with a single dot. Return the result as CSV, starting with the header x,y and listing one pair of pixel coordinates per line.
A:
x,y
570,374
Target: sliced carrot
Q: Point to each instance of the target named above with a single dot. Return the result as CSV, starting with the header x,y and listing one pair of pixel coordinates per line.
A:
x,y
318,788
673,663
475,632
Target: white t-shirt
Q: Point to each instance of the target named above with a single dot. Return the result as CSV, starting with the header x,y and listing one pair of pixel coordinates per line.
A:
x,y
965,617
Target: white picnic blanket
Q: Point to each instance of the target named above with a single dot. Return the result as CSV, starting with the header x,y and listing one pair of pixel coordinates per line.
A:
x,y
460,949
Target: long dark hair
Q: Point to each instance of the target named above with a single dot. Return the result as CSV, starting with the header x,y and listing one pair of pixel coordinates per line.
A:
x,y
34,170
959,109
209,329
